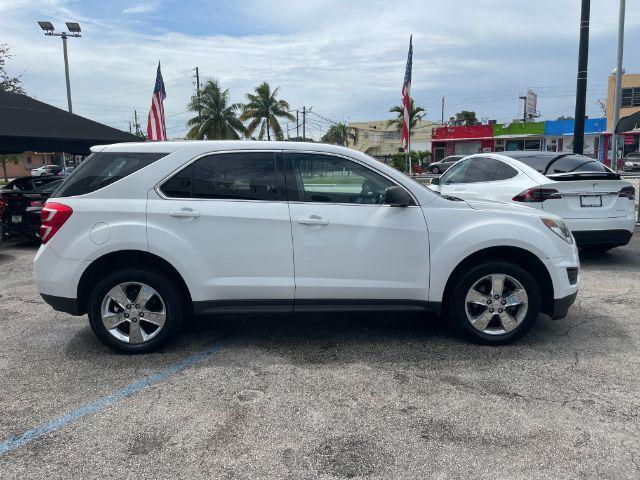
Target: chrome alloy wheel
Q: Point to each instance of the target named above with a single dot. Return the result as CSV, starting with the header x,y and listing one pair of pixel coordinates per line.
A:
x,y
133,312
496,304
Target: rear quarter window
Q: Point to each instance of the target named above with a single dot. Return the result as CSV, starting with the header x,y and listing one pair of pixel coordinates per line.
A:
x,y
102,169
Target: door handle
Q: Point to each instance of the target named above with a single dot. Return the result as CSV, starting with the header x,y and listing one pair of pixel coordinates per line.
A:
x,y
184,213
313,220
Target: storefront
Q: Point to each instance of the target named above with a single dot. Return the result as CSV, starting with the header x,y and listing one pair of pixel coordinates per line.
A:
x,y
461,140
559,136
518,136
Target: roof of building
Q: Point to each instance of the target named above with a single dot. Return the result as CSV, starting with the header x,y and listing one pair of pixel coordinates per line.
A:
x,y
28,124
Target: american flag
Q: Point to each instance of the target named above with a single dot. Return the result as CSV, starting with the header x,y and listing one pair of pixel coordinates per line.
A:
x,y
406,97
156,129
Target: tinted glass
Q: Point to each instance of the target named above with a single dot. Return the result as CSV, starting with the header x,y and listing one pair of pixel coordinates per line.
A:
x,y
456,173
505,171
550,165
48,187
325,178
242,175
481,170
102,169
179,186
576,163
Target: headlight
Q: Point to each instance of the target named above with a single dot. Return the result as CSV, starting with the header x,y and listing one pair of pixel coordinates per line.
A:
x,y
559,228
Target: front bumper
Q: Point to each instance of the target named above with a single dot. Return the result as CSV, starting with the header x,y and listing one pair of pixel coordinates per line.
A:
x,y
561,306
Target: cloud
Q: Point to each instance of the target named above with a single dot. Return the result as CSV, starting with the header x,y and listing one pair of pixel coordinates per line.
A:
x,y
346,59
141,8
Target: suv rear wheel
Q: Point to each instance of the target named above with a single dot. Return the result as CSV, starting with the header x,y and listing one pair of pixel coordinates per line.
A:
x,y
494,303
135,310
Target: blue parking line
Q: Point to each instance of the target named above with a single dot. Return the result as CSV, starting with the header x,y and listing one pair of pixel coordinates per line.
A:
x,y
105,401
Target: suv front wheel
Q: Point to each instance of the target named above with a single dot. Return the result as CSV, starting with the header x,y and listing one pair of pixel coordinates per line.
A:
x,y
135,310
494,303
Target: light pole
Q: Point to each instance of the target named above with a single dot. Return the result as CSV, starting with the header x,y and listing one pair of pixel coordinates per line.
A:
x,y
74,31
618,95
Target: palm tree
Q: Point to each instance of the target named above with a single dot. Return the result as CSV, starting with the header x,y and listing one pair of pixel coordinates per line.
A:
x,y
341,134
263,109
215,119
415,114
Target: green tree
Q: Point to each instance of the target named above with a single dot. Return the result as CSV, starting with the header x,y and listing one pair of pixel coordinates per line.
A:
x,y
4,161
341,134
465,117
264,109
416,113
216,119
8,83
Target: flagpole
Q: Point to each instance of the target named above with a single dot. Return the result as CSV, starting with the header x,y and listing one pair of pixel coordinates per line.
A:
x,y
409,147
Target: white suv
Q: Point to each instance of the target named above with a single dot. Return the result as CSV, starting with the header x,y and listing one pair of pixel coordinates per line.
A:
x,y
142,235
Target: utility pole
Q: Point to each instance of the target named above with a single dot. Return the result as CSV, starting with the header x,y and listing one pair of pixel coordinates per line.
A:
x,y
297,126
304,121
442,112
198,90
135,120
581,86
618,95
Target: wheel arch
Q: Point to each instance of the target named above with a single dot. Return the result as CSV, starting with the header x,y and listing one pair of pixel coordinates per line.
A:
x,y
519,256
122,259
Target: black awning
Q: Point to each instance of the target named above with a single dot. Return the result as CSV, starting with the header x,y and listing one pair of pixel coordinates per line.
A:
x,y
28,124
629,123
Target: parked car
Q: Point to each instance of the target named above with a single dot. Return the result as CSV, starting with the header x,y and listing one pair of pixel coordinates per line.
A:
x,y
632,162
46,170
25,184
444,164
20,210
597,205
65,172
141,235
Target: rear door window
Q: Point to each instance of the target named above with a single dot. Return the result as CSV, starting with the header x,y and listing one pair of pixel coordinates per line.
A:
x,y
482,169
504,171
233,176
102,169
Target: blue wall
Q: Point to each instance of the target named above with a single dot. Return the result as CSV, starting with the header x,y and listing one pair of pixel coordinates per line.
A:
x,y
565,127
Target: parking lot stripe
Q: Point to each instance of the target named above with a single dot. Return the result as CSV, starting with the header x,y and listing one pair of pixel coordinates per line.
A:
x,y
105,401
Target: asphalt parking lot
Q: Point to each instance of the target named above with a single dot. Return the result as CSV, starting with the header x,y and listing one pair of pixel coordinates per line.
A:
x,y
325,396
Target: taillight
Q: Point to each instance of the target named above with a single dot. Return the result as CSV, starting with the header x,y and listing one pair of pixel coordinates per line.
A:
x,y
537,195
52,217
2,203
628,192
36,203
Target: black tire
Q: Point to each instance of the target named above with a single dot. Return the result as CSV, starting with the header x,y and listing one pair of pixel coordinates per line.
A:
x,y
164,285
456,307
435,170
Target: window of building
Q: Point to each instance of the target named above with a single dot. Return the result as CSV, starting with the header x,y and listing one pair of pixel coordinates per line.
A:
x,y
532,144
631,97
326,178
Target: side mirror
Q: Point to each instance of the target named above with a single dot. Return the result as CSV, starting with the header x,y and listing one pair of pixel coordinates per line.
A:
x,y
397,197
435,181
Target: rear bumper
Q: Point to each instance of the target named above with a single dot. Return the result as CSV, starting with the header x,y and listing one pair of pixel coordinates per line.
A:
x,y
561,306
615,238
63,304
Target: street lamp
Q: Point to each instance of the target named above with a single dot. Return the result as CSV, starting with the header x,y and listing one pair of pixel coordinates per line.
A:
x,y
74,31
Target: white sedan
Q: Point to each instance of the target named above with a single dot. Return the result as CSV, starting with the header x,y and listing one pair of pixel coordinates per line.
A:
x,y
596,203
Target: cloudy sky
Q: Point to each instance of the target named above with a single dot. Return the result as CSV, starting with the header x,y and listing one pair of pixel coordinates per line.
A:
x,y
343,58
